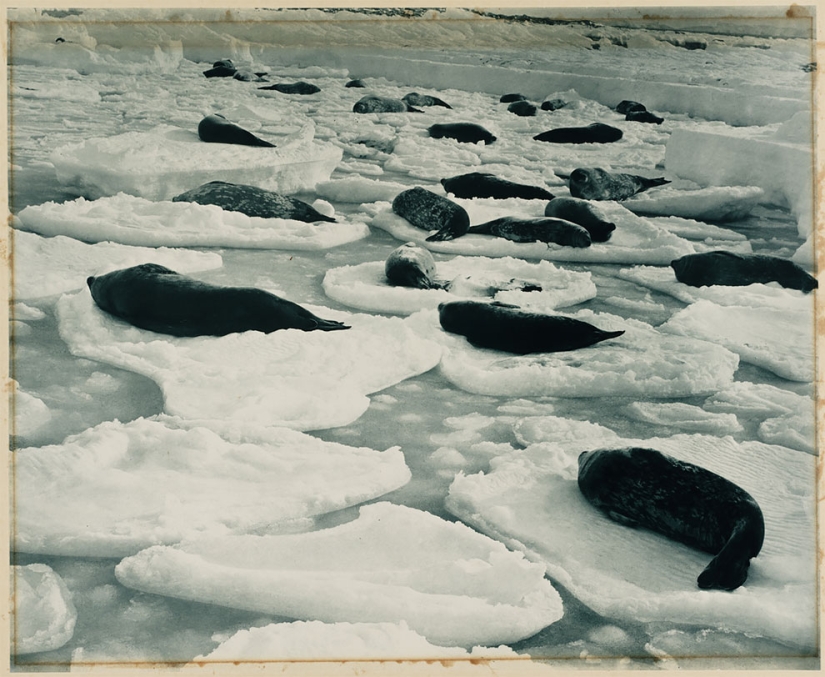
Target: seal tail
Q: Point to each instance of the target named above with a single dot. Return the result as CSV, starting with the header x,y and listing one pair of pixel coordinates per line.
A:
x,y
260,142
652,183
328,325
439,102
606,335
322,217
729,569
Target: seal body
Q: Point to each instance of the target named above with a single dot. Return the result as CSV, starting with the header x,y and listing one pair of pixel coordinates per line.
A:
x,y
594,183
382,104
555,231
737,270
510,98
596,132
249,76
411,266
523,109
584,213
511,329
645,488
294,88
416,99
252,201
464,132
424,209
153,297
625,107
223,68
355,83
643,116
217,129
482,184
553,104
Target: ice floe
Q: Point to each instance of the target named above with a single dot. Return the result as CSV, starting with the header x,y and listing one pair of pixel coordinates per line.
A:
x,y
44,614
684,416
449,583
29,412
715,203
117,488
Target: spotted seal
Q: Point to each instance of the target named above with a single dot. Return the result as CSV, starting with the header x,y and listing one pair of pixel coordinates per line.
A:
x,y
411,265
293,88
424,209
585,213
509,328
483,184
736,270
645,488
153,297
217,129
596,132
382,104
594,183
551,231
416,99
252,201
463,132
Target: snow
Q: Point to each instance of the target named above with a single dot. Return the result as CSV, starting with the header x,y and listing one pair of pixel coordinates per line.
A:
x,y
684,416
29,412
358,190
43,612
290,378
642,362
359,641
168,160
531,502
117,488
449,584
137,221
717,203
45,266
365,286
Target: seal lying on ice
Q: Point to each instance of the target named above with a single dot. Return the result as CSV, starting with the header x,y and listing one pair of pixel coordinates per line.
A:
x,y
594,183
424,209
645,488
416,99
294,88
217,129
738,270
483,184
549,230
463,132
153,297
382,104
411,266
597,132
584,213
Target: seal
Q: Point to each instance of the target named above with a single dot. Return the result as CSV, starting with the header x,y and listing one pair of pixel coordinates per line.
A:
x,y
482,184
252,201
737,270
523,109
463,132
584,213
510,98
685,502
643,116
217,129
382,104
411,266
596,132
553,104
594,183
153,297
625,107
294,88
424,209
551,231
250,76
221,69
355,83
416,99
506,327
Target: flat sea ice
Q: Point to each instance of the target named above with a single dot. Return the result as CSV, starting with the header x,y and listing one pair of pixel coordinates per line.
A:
x,y
43,612
715,203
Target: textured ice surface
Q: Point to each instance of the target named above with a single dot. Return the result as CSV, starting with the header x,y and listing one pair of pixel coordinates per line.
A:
x,y
641,362
43,612
635,240
314,639
365,286
44,266
684,416
356,189
29,412
530,500
137,221
291,378
169,160
449,583
717,203
117,488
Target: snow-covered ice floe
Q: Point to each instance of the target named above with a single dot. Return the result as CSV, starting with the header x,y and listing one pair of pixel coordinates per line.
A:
x,y
365,286
291,378
117,488
44,614
137,221
353,641
635,240
643,362
716,203
167,160
449,583
684,416
29,413
530,500
45,266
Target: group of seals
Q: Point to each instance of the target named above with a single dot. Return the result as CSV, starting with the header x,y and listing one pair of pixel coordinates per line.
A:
x,y
594,183
728,268
217,129
224,68
424,209
153,297
483,184
597,132
685,502
636,112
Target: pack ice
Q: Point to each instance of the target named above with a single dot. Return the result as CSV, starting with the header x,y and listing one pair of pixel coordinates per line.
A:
x,y
44,614
365,286
117,488
290,378
530,501
450,584
714,203
137,221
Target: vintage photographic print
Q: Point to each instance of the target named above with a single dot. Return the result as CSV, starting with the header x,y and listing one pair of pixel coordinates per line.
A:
x,y
446,339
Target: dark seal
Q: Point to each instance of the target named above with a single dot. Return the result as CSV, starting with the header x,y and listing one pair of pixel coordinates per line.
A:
x,y
523,109
411,266
294,88
643,116
584,213
594,183
416,99
550,231
355,83
424,209
625,107
596,132
250,76
737,270
553,104
223,68
645,488
153,297
504,327
217,129
510,98
482,184
463,132
382,104
252,201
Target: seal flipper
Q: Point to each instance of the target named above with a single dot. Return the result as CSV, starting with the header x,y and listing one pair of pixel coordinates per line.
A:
x,y
328,325
445,233
729,569
621,518
652,183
